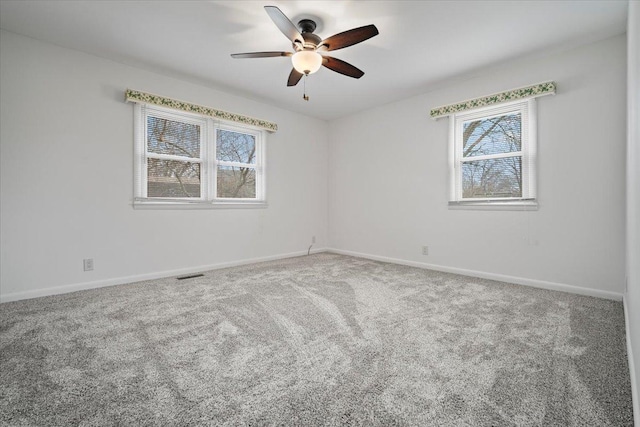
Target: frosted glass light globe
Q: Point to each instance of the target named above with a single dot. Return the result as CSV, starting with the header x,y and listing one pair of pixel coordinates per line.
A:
x,y
306,61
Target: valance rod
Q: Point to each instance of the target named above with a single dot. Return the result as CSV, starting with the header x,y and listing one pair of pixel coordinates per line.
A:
x,y
148,98
533,91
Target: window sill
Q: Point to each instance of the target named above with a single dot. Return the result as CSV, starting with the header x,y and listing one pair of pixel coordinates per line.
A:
x,y
498,205
197,204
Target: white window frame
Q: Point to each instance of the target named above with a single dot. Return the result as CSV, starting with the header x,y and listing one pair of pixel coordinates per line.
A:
x,y
208,162
528,200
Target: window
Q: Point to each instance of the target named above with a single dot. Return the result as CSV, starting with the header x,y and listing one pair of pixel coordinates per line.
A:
x,y
236,163
493,156
185,159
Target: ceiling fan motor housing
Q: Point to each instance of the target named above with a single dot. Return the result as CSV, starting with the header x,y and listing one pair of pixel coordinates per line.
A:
x,y
307,25
311,41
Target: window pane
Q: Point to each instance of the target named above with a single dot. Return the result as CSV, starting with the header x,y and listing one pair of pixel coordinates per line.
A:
x,y
492,178
235,147
170,178
171,137
501,134
237,183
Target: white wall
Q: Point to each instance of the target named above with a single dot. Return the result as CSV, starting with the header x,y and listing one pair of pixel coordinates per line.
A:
x,y
388,179
67,178
632,297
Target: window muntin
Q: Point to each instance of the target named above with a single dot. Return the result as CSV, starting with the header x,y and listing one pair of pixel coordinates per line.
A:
x,y
187,158
494,154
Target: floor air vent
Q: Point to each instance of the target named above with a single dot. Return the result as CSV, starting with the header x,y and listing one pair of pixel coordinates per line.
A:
x,y
190,276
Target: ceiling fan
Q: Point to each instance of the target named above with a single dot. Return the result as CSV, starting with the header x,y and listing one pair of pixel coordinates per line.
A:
x,y
305,58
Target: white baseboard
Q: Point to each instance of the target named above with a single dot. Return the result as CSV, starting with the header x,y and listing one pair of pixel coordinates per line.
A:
x,y
491,276
140,277
632,369
169,273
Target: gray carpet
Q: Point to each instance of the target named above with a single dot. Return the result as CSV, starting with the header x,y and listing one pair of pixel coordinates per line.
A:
x,y
318,340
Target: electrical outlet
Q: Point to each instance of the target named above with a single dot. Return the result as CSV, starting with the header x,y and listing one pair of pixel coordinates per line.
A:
x,y
313,239
88,264
425,250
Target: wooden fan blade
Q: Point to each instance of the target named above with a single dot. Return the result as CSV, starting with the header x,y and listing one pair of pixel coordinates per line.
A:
x,y
260,54
294,77
349,38
339,66
284,25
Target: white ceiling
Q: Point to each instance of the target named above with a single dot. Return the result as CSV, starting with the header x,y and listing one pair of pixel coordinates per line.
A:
x,y
421,43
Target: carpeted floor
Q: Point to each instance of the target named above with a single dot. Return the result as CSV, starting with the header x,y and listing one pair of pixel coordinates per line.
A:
x,y
318,340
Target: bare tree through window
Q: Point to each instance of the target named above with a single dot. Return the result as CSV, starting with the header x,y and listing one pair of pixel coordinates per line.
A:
x,y
236,164
492,157
179,175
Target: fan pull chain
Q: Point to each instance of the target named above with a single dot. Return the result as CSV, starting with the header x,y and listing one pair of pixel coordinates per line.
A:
x,y
304,95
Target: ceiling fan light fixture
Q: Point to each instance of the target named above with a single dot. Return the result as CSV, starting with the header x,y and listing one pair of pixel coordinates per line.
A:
x,y
306,61
305,58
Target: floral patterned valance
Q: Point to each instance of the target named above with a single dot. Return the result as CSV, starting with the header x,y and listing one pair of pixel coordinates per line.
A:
x,y
540,89
147,98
